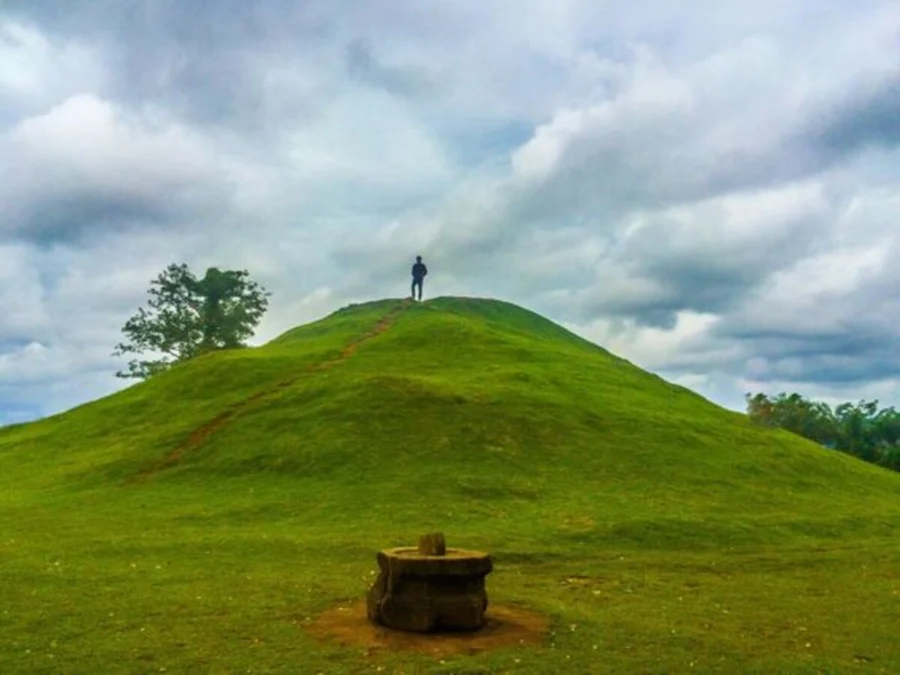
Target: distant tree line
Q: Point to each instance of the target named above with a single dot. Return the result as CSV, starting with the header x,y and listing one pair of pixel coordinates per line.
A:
x,y
859,429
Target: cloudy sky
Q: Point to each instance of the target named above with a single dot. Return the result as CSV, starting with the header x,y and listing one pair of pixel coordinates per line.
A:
x,y
711,190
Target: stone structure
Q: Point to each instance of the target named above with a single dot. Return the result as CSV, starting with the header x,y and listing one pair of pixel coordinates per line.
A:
x,y
430,587
432,544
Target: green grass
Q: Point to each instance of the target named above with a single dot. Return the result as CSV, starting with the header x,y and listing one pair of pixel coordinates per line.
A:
x,y
659,532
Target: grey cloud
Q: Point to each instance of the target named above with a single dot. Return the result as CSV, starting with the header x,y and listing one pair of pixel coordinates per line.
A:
x,y
239,68
845,335
855,353
364,67
704,257
708,270
665,137
24,316
86,165
834,367
68,217
326,167
868,116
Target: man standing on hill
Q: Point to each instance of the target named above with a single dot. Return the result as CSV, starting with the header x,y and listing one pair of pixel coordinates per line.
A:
x,y
418,276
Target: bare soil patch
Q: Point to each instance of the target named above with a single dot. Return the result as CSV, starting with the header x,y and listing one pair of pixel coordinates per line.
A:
x,y
507,626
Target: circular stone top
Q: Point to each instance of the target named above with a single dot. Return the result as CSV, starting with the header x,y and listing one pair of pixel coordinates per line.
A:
x,y
456,562
452,553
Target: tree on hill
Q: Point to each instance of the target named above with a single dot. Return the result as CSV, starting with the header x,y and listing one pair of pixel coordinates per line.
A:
x,y
186,316
859,429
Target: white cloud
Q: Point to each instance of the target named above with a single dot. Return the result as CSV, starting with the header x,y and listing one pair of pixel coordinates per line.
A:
x,y
21,295
87,153
809,295
371,141
709,191
87,135
35,71
655,348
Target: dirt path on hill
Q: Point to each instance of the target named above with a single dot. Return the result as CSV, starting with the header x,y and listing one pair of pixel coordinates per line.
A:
x,y
201,434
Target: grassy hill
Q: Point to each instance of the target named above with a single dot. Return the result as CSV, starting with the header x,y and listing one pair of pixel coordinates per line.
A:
x,y
199,521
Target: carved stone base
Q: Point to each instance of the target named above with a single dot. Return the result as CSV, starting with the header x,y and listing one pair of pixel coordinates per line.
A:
x,y
424,593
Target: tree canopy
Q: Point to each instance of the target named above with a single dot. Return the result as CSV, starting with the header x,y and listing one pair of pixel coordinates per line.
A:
x,y
186,316
860,429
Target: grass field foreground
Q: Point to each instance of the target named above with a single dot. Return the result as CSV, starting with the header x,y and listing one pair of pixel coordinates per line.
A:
x,y
201,521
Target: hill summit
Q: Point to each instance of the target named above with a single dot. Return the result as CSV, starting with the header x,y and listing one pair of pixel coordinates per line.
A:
x,y
406,406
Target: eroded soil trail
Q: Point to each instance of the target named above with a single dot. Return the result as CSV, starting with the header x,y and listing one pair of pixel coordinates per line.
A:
x,y
201,434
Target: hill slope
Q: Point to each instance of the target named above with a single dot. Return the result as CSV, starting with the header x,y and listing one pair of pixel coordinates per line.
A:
x,y
391,418
499,403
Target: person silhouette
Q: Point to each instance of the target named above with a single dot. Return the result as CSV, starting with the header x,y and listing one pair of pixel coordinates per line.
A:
x,y
418,276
